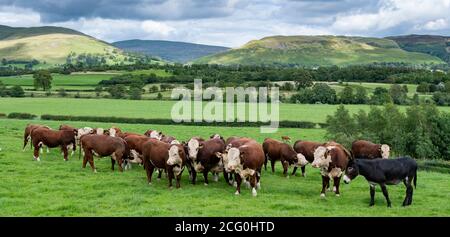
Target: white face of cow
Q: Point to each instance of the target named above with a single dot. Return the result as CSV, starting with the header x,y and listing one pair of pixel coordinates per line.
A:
x,y
156,134
174,156
112,132
301,160
84,131
385,150
193,147
320,161
234,160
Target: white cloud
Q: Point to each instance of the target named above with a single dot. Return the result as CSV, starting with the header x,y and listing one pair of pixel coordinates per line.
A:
x,y
13,16
438,24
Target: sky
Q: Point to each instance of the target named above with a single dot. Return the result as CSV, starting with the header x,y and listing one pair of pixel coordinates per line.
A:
x,y
230,23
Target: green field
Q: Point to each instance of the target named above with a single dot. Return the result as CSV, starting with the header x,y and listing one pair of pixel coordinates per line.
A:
x,y
152,109
53,187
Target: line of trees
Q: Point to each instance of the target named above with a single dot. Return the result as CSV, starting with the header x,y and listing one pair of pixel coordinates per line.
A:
x,y
421,132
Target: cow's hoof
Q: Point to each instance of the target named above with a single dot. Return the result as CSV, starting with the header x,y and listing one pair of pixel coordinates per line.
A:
x,y
254,193
236,193
322,195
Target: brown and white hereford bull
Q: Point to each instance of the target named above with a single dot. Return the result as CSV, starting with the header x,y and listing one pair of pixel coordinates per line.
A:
x,y
275,150
332,159
161,155
27,134
101,146
202,157
53,138
306,148
246,162
362,149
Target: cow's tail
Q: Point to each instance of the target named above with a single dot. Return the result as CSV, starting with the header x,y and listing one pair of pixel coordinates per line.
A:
x,y
79,154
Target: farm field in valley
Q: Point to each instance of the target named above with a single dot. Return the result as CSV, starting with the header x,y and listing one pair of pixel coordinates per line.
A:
x,y
153,109
53,187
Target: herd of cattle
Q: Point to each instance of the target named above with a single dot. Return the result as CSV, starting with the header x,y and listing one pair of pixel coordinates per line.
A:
x,y
240,159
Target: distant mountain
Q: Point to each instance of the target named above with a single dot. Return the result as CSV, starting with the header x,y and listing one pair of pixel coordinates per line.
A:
x,y
54,45
318,51
170,50
435,45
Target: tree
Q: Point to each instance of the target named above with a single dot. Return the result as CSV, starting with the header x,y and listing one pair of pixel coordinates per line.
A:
x,y
42,79
62,92
17,91
361,95
302,79
324,93
380,96
117,91
346,95
135,93
423,87
398,94
153,89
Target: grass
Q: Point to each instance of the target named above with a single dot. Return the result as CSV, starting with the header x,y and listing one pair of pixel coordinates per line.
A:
x,y
53,187
153,109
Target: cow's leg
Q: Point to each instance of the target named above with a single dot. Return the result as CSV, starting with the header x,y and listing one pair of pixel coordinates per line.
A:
x,y
409,192
294,171
238,184
336,182
87,153
170,174
178,177
265,162
149,170
159,174
285,168
113,162
65,152
226,177
205,176
253,182
325,184
194,175
120,160
386,194
303,171
91,162
272,164
372,195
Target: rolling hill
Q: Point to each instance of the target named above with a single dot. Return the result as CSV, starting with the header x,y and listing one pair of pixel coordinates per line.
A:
x,y
169,50
435,45
53,46
318,51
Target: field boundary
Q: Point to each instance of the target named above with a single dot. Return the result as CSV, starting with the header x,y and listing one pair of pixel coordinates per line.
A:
x,y
282,124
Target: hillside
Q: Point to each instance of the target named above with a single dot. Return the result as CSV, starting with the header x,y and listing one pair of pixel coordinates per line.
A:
x,y
318,51
435,45
53,45
169,50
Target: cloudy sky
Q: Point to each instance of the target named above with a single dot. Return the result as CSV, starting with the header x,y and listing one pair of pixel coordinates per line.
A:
x,y
230,22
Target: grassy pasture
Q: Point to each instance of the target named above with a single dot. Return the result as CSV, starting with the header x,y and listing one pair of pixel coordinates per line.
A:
x,y
152,109
53,187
